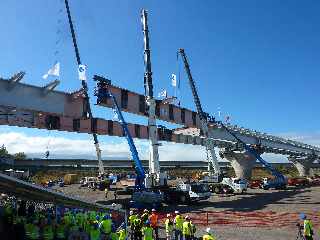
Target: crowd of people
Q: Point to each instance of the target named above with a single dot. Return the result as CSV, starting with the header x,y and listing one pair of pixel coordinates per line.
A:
x,y
19,220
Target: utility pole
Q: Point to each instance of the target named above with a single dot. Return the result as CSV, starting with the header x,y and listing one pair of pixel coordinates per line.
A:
x,y
88,111
154,166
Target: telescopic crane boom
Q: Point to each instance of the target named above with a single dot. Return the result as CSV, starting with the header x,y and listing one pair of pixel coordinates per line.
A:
x,y
204,119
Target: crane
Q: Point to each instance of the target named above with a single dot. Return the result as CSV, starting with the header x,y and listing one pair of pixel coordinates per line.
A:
x,y
142,197
88,112
204,119
279,181
155,176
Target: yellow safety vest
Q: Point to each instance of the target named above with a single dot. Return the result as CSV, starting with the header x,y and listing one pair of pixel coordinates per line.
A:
x,y
94,234
186,228
106,226
131,219
307,226
147,233
179,222
61,231
122,234
169,225
208,237
48,233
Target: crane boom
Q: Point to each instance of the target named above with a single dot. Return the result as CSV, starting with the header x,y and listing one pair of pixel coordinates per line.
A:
x,y
212,159
102,92
85,88
154,166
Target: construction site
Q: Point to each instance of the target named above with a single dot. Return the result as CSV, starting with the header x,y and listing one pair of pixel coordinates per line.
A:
x,y
234,192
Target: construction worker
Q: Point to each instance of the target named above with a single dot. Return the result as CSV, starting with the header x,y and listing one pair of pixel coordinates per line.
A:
x,y
169,227
106,225
307,227
48,232
131,219
60,230
153,218
147,231
137,226
145,216
95,232
122,233
208,235
178,224
32,230
193,230
186,228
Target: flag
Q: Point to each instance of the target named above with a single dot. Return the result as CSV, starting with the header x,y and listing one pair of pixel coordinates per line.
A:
x,y
82,72
163,94
54,71
173,80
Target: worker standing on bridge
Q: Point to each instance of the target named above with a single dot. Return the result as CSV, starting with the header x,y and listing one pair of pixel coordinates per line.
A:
x,y
307,227
178,223
186,228
208,235
169,227
153,218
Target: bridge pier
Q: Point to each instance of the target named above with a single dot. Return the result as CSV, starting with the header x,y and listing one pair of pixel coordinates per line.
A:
x,y
241,161
303,165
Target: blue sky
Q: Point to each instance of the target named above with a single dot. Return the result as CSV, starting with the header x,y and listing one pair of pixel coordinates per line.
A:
x,y
256,60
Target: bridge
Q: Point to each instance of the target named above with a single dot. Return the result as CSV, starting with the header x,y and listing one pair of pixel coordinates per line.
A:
x,y
43,107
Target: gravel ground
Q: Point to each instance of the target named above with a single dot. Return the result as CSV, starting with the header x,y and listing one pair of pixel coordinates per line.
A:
x,y
258,214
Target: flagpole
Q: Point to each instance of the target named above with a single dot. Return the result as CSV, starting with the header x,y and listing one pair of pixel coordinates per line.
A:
x,y
85,87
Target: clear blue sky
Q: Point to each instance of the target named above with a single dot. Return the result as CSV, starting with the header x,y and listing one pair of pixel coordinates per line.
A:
x,y
258,61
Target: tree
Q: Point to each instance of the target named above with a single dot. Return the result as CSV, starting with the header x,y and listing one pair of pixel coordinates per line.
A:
x,y
20,156
4,151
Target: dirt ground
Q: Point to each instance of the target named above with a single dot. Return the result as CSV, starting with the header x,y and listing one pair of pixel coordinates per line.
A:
x,y
258,214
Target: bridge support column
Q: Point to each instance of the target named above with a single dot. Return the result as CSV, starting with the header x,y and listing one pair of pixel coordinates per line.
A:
x,y
241,162
303,165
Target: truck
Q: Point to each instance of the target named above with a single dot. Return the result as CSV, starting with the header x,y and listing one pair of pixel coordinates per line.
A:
x,y
228,185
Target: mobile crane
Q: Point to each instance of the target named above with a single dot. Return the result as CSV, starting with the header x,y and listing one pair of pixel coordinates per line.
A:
x,y
278,182
141,197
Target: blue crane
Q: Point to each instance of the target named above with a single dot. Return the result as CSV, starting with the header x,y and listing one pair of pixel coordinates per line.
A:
x,y
103,93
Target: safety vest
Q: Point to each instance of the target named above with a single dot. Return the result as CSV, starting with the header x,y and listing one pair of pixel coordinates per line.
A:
x,y
32,231
208,237
169,225
48,233
137,224
179,222
122,234
307,226
153,220
147,233
105,226
114,236
186,228
61,231
192,228
131,219
95,234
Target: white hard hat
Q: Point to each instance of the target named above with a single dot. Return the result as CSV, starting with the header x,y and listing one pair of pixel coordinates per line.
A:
x,y
208,230
168,215
187,217
176,212
131,212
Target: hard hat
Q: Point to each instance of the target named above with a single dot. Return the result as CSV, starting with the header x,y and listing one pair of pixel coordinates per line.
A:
x,y
146,210
208,230
176,212
168,215
153,210
131,212
187,217
302,216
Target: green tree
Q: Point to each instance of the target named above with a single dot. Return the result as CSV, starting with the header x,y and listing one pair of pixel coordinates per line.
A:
x,y
4,152
20,156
